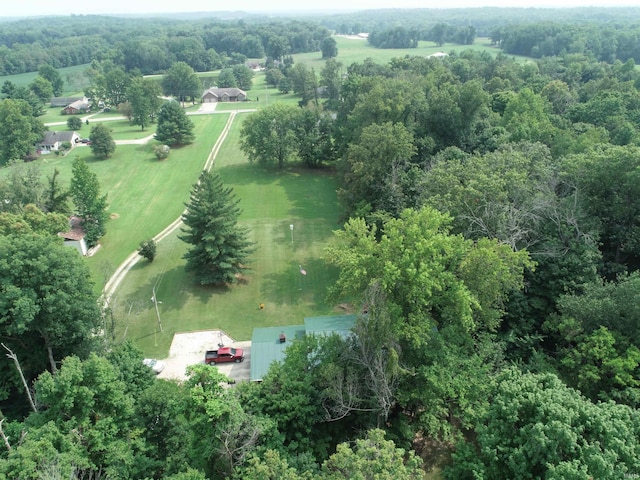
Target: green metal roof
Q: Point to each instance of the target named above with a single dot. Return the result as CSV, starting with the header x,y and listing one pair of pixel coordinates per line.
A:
x,y
340,324
266,347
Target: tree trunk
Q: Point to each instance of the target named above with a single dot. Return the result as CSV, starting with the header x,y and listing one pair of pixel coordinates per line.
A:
x,y
52,360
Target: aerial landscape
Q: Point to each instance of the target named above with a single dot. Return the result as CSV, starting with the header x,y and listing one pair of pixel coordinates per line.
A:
x,y
363,241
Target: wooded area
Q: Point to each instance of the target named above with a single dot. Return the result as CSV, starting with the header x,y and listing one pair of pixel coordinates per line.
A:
x,y
490,248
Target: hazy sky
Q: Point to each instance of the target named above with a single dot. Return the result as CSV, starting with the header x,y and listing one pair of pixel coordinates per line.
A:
x,y
66,7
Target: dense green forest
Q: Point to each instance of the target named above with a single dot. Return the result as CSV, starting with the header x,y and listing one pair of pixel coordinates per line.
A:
x,y
149,45
490,240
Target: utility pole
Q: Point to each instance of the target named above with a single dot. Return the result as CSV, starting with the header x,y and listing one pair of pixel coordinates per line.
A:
x,y
155,301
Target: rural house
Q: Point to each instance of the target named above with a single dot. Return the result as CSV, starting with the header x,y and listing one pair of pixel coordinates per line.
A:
x,y
64,101
269,344
79,106
52,141
214,95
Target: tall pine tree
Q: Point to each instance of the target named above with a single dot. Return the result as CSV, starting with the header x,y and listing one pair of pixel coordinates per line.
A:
x,y
219,247
174,127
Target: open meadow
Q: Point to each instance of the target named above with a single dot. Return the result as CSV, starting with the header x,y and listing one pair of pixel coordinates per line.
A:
x,y
75,80
352,49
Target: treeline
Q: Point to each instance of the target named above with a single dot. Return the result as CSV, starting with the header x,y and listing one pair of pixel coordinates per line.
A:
x,y
484,19
401,37
609,42
150,45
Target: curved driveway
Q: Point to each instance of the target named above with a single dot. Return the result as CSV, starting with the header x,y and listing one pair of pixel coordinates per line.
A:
x,y
132,259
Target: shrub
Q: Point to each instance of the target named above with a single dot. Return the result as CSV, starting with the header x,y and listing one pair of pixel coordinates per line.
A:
x,y
161,151
74,123
147,249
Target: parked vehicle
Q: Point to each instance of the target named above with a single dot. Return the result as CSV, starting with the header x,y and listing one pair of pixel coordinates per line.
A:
x,y
156,365
224,355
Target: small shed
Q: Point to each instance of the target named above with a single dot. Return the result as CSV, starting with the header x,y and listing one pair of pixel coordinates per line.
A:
x,y
214,95
75,236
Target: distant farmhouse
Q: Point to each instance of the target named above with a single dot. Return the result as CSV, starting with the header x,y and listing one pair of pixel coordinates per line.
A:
x,y
214,95
71,105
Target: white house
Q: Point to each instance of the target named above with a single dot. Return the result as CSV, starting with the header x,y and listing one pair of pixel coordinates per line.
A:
x,y
52,141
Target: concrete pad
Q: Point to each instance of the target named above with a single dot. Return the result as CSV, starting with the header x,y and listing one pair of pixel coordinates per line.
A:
x,y
189,349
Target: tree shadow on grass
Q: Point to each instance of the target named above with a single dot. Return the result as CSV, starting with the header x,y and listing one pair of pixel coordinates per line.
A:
x,y
174,288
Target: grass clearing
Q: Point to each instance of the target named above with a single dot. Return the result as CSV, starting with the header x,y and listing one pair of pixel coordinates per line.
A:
x,y
271,201
352,50
74,79
120,129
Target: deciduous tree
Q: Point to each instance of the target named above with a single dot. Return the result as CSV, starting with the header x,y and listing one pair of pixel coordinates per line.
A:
x,y
268,136
144,97
535,426
74,123
181,82
329,48
47,308
372,457
102,143
20,130
51,74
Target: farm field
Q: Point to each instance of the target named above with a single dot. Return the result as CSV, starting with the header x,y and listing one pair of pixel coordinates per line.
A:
x,y
74,79
271,201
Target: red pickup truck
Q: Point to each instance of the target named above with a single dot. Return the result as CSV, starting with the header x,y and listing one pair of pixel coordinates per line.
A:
x,y
223,355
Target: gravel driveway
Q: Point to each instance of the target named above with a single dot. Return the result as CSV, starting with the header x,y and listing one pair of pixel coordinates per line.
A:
x,y
189,348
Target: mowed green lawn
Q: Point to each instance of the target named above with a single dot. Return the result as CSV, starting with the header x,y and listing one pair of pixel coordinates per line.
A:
x,y
271,201
120,129
144,194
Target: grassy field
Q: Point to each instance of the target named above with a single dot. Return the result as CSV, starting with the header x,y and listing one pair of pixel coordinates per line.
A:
x,y
74,79
352,50
271,201
120,129
144,194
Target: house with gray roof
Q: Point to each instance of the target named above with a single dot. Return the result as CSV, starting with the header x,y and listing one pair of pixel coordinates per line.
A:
x,y
52,141
214,95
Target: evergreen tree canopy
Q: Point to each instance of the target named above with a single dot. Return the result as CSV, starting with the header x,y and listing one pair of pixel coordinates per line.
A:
x,y
219,247
174,127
